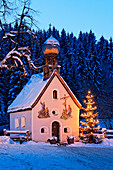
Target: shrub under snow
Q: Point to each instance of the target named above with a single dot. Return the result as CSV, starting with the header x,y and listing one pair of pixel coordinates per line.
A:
x,y
6,140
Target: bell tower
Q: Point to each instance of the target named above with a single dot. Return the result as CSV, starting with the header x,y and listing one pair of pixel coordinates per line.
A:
x,y
51,51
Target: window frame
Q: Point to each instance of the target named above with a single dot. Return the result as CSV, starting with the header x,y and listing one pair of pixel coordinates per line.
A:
x,y
56,110
24,121
17,123
55,94
45,130
68,129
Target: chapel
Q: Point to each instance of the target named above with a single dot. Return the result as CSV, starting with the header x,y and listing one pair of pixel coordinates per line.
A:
x,y
46,106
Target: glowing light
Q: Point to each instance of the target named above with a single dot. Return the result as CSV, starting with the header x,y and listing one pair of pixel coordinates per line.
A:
x,y
84,101
89,116
49,51
89,92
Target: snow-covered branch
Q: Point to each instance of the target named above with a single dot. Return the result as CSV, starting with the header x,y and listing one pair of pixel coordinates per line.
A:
x,y
14,58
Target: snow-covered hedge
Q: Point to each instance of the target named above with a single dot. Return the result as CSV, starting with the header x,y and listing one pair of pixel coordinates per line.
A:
x,y
70,137
6,140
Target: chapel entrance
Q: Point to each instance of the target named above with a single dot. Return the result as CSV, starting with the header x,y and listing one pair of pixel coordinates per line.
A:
x,y
55,130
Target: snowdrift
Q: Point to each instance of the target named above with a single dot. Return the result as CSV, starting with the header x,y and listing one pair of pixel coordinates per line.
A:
x,y
6,140
106,143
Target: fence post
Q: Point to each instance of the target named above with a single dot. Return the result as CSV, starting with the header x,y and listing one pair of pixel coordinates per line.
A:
x,y
27,135
5,132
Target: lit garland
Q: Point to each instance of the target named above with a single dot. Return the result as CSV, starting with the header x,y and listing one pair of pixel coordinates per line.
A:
x,y
90,117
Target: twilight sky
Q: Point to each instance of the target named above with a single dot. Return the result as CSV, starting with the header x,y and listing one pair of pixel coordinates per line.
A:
x,y
76,15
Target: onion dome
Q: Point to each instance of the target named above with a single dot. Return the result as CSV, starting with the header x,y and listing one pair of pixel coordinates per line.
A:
x,y
51,46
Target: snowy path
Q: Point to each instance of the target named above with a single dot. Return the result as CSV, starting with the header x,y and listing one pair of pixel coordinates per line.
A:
x,y
40,156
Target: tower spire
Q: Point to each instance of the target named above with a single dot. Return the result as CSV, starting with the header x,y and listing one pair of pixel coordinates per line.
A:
x,y
51,52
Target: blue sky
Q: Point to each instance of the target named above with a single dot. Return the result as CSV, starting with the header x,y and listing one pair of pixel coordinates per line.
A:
x,y
76,15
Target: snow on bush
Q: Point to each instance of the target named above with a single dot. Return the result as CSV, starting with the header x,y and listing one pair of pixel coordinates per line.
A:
x,y
52,138
70,137
6,140
107,142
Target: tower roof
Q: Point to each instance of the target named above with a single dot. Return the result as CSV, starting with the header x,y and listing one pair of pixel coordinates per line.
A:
x,y
52,41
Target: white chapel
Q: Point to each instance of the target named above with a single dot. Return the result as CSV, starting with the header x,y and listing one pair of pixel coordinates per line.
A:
x,y
46,105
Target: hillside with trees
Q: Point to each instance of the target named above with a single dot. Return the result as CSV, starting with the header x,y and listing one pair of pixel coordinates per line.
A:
x,y
86,64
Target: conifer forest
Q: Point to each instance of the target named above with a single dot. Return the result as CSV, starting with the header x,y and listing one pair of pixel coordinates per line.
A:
x,y
86,64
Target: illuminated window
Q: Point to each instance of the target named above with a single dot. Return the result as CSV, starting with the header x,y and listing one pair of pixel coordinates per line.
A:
x,y
54,94
67,130
44,130
16,123
23,121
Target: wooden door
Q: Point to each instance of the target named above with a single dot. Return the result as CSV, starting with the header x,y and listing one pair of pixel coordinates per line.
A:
x,y
55,130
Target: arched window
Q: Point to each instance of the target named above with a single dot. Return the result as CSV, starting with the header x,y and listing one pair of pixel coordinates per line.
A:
x,y
16,123
44,130
23,121
54,94
67,130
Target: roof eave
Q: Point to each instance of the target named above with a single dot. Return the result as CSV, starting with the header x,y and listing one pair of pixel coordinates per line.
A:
x,y
19,110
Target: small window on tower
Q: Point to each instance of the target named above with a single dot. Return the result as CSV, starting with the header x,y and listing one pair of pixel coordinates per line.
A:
x,y
54,94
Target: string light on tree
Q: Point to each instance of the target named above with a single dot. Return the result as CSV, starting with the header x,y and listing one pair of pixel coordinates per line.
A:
x,y
91,121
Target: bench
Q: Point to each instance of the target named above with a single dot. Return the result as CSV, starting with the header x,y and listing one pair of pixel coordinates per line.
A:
x,y
18,134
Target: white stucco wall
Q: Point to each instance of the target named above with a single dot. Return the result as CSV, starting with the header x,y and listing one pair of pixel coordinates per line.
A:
x,y
51,103
28,120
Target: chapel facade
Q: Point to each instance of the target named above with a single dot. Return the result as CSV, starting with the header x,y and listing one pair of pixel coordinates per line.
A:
x,y
46,106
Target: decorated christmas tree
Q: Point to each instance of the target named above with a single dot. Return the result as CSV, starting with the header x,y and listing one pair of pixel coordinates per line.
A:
x,y
91,121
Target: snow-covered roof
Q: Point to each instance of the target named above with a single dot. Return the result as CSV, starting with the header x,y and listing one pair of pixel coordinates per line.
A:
x,y
34,89
29,93
52,41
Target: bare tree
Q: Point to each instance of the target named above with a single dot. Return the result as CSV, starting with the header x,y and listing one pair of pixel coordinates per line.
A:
x,y
6,8
14,57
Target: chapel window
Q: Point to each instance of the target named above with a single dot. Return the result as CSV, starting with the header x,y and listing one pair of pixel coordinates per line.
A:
x,y
55,112
44,130
16,123
55,94
23,121
67,130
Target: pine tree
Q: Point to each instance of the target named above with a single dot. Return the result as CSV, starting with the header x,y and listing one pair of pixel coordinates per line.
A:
x,y
90,124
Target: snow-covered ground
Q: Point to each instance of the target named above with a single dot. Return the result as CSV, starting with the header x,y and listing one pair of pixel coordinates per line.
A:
x,y
33,155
